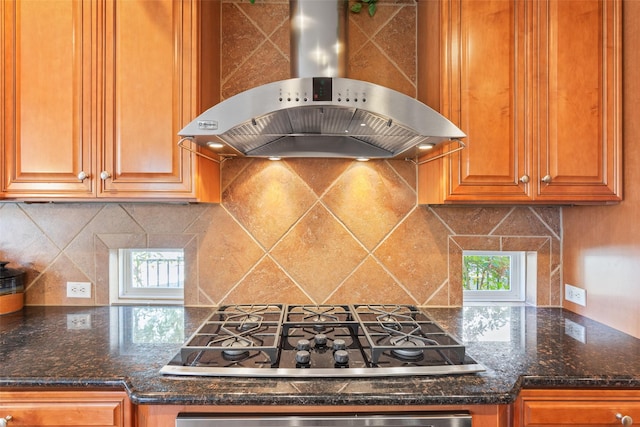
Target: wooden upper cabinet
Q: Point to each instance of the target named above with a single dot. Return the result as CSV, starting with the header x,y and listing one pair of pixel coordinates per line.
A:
x,y
536,87
47,85
97,95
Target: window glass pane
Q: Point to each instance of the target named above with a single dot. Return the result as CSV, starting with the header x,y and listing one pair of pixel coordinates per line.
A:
x,y
493,276
157,269
486,272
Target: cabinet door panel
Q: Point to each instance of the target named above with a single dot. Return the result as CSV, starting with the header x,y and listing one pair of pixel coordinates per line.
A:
x,y
47,132
149,91
578,138
62,408
489,61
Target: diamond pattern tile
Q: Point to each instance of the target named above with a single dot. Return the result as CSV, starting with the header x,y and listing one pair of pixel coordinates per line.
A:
x,y
318,253
370,198
299,231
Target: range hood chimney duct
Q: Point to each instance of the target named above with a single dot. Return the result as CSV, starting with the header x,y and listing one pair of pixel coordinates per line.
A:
x,y
318,34
319,112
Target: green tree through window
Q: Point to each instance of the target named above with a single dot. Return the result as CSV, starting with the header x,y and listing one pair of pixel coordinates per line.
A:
x,y
486,273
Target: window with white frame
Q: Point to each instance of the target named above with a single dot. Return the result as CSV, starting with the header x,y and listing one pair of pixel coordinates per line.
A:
x,y
147,276
494,275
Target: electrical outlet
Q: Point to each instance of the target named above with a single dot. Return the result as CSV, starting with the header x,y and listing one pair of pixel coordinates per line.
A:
x,y
78,321
575,331
575,295
78,289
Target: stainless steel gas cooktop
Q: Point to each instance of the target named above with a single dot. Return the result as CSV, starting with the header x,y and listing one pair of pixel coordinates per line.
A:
x,y
275,340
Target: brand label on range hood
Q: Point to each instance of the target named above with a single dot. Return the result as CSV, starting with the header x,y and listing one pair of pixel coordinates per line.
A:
x,y
207,124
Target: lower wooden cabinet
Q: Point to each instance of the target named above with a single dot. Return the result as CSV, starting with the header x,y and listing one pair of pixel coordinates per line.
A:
x,y
66,408
542,408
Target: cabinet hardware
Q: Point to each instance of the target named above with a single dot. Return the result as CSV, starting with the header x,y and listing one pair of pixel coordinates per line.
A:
x,y
625,420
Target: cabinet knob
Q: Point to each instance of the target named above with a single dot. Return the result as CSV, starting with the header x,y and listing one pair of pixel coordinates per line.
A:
x,y
625,420
546,179
524,179
105,175
4,422
82,175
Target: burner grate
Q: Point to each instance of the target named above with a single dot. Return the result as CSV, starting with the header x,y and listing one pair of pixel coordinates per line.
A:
x,y
277,340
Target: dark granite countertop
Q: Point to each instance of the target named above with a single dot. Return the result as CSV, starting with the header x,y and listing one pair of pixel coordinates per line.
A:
x,y
87,347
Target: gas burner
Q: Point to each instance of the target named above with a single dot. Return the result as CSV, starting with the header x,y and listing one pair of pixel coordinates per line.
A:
x,y
236,347
408,347
246,322
319,314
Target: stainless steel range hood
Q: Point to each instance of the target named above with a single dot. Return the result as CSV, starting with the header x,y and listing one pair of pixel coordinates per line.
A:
x,y
319,113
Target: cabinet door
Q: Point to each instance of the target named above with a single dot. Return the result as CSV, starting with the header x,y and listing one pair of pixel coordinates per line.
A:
x,y
579,100
86,408
149,92
47,97
482,83
536,86
546,408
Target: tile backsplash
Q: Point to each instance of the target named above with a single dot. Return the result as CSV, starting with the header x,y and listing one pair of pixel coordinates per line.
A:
x,y
295,231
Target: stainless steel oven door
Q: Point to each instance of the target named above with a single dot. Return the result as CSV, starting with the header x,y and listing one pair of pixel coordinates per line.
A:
x,y
429,419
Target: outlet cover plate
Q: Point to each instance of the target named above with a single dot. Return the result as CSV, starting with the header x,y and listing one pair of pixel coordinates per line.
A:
x,y
78,289
575,295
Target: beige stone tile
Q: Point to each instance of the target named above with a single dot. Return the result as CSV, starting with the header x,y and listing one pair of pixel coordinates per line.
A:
x,y
191,273
318,253
267,200
370,64
555,289
416,253
61,222
266,284
397,39
319,174
370,284
101,283
407,171
551,216
533,244
231,169
112,219
441,298
163,218
476,243
237,46
225,252
51,288
522,222
370,198
266,65
267,16
23,244
471,220
122,240
543,289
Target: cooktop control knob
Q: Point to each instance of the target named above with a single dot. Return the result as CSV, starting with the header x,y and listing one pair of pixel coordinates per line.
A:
x,y
320,339
341,357
303,357
303,344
